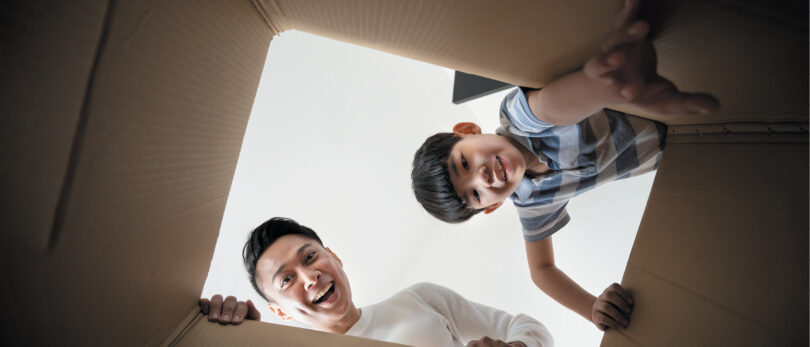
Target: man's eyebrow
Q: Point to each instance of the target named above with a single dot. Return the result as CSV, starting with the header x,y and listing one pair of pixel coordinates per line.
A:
x,y
298,252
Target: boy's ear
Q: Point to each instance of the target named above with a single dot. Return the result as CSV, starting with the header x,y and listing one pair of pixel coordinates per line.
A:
x,y
493,207
278,312
334,255
466,128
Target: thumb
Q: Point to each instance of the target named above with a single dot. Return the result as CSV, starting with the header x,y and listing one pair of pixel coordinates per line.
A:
x,y
253,313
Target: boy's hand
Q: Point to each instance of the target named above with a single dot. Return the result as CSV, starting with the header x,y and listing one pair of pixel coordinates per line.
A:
x,y
612,309
626,68
228,311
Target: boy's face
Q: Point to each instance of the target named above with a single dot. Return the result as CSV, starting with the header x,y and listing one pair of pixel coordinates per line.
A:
x,y
305,280
485,169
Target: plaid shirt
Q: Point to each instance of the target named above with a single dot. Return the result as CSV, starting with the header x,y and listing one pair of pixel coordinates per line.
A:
x,y
606,146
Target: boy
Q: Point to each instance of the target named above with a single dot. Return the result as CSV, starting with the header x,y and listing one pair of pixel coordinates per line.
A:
x,y
554,144
301,279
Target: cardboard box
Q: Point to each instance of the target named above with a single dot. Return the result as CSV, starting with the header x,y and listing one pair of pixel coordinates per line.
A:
x,y
123,122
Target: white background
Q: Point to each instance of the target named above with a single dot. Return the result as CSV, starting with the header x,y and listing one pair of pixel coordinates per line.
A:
x,y
330,143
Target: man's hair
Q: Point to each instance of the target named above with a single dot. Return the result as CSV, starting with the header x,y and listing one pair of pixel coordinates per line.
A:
x,y
265,235
431,180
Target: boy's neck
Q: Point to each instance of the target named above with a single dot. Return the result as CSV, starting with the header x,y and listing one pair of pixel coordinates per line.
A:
x,y
533,165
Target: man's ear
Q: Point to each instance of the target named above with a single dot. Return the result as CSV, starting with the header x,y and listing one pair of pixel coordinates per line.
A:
x,y
466,128
334,255
493,207
278,312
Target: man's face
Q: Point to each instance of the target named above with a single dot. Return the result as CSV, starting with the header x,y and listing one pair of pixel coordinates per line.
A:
x,y
485,169
305,280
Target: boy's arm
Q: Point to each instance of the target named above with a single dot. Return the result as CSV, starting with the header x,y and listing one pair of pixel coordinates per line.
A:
x,y
611,309
624,72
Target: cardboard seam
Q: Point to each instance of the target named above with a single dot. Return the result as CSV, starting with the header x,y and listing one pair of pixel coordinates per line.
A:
x,y
703,297
264,13
181,331
79,134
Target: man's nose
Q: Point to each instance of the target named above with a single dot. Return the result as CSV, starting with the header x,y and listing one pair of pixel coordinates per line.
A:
x,y
311,278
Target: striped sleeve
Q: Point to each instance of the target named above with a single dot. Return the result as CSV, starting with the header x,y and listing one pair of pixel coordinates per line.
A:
x,y
521,120
542,220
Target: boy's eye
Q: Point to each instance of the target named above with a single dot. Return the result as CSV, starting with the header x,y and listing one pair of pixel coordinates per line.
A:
x,y
309,257
475,196
285,280
464,163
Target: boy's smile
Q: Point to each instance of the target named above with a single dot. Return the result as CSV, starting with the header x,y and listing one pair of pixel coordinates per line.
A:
x,y
485,169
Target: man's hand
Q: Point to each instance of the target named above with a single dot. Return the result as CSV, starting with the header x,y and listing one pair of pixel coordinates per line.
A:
x,y
229,311
626,67
486,341
612,309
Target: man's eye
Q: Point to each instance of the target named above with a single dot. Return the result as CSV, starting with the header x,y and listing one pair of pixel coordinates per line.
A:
x,y
475,196
286,280
309,257
464,163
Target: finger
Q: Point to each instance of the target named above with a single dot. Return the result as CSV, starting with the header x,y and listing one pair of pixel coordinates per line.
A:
x,y
204,302
671,101
618,301
215,308
227,310
601,65
608,321
620,297
627,13
239,313
612,312
630,34
253,313
702,103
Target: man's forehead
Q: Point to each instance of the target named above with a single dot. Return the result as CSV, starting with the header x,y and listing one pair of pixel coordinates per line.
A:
x,y
282,251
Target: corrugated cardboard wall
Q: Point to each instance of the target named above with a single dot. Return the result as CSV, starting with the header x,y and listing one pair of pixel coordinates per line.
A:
x,y
167,103
754,61
203,333
126,119
720,258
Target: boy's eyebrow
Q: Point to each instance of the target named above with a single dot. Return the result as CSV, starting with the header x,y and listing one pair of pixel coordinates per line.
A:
x,y
453,165
464,197
298,252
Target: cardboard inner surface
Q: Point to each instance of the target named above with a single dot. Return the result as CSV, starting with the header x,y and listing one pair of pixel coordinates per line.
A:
x,y
44,85
251,333
721,254
125,120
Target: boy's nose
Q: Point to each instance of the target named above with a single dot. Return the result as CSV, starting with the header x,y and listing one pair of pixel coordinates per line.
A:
x,y
485,175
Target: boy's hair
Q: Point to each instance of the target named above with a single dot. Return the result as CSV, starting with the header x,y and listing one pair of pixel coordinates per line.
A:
x,y
431,180
265,235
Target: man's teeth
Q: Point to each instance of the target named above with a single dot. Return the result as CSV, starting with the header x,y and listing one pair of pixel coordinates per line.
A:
x,y
322,293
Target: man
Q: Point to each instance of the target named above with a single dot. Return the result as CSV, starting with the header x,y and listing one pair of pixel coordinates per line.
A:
x,y
301,279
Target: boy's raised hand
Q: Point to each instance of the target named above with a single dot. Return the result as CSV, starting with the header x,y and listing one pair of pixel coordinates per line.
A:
x,y
228,311
626,67
612,309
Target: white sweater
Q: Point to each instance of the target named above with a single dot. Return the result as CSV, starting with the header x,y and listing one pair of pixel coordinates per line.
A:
x,y
427,314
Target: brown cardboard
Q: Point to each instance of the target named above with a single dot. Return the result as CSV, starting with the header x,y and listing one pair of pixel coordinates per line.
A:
x,y
55,48
172,89
723,48
118,156
201,332
720,258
